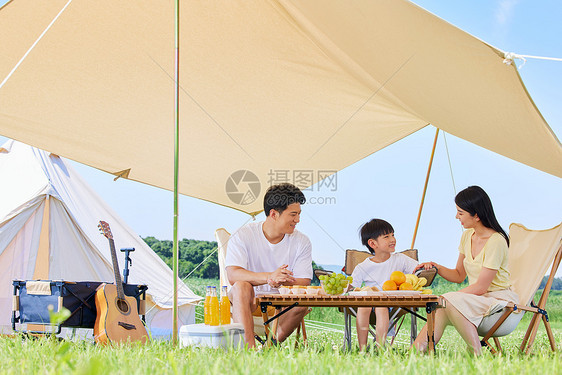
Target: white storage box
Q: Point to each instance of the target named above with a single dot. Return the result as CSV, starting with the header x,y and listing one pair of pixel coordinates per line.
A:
x,y
201,335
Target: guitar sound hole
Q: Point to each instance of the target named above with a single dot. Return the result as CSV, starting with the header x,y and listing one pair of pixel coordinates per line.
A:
x,y
123,306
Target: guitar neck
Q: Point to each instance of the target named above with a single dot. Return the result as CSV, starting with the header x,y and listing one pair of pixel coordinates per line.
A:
x,y
118,282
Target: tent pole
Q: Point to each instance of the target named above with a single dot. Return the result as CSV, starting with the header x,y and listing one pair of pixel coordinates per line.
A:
x,y
176,172
425,188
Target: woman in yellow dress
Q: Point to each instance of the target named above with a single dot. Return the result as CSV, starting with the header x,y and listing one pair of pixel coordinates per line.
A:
x,y
483,257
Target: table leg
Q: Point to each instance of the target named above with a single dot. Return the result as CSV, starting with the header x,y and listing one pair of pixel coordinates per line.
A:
x,y
413,326
265,318
431,331
347,329
276,323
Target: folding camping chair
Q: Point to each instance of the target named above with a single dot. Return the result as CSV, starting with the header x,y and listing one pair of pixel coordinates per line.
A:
x,y
531,252
223,236
397,315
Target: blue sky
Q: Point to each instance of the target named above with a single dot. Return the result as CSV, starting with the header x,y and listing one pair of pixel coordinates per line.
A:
x,y
388,184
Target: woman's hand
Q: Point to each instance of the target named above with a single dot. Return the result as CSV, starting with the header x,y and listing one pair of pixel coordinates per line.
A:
x,y
455,275
426,266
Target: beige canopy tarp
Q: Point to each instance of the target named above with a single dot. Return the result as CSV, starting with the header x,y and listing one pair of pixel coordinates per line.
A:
x,y
266,86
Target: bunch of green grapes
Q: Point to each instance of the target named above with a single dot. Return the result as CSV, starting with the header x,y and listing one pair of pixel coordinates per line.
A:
x,y
335,283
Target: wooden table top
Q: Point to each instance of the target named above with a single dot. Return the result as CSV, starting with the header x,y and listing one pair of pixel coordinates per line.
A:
x,y
418,300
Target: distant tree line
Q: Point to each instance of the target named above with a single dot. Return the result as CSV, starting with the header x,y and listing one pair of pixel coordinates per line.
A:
x,y
556,283
191,254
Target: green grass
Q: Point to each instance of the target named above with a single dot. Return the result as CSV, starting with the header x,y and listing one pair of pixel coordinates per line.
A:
x,y
322,356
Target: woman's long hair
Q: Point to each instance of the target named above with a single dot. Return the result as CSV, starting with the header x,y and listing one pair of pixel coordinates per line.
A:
x,y
474,200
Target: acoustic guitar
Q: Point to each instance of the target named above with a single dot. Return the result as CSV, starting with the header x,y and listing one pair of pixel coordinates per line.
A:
x,y
117,318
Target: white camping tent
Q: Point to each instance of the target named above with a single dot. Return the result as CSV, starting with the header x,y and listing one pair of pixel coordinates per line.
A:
x,y
49,230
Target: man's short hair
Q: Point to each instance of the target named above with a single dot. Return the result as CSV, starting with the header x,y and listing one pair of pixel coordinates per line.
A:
x,y
279,197
374,229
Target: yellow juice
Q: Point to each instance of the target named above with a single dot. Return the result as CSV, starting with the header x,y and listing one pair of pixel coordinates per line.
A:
x,y
225,307
214,313
207,307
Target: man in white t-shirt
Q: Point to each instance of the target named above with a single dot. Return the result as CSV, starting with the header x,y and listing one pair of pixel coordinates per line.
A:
x,y
263,256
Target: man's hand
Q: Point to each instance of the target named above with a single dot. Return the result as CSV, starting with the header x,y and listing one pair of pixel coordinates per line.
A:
x,y
280,276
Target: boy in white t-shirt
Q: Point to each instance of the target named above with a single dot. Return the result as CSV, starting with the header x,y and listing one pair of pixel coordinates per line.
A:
x,y
378,236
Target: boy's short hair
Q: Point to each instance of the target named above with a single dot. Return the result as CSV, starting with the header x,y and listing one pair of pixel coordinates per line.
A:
x,y
374,229
279,197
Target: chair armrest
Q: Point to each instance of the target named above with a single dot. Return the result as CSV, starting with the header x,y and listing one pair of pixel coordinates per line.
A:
x,y
318,272
428,274
321,272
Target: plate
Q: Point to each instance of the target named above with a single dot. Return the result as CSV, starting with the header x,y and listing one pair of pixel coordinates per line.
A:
x,y
401,292
364,293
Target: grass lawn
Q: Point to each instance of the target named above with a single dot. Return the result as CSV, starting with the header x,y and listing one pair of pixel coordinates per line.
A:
x,y
322,356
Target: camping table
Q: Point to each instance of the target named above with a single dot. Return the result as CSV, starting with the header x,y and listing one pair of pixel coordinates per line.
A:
x,y
429,302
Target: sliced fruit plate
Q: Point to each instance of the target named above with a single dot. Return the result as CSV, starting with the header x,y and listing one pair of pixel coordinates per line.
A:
x,y
401,292
365,293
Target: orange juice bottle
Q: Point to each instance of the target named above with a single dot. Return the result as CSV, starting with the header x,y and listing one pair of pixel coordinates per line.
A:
x,y
207,306
225,306
214,308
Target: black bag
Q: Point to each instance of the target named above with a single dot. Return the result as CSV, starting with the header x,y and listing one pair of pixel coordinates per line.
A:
x,y
78,297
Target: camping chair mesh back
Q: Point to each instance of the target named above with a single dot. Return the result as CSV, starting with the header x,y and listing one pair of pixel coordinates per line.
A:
x,y
531,253
540,246
223,236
